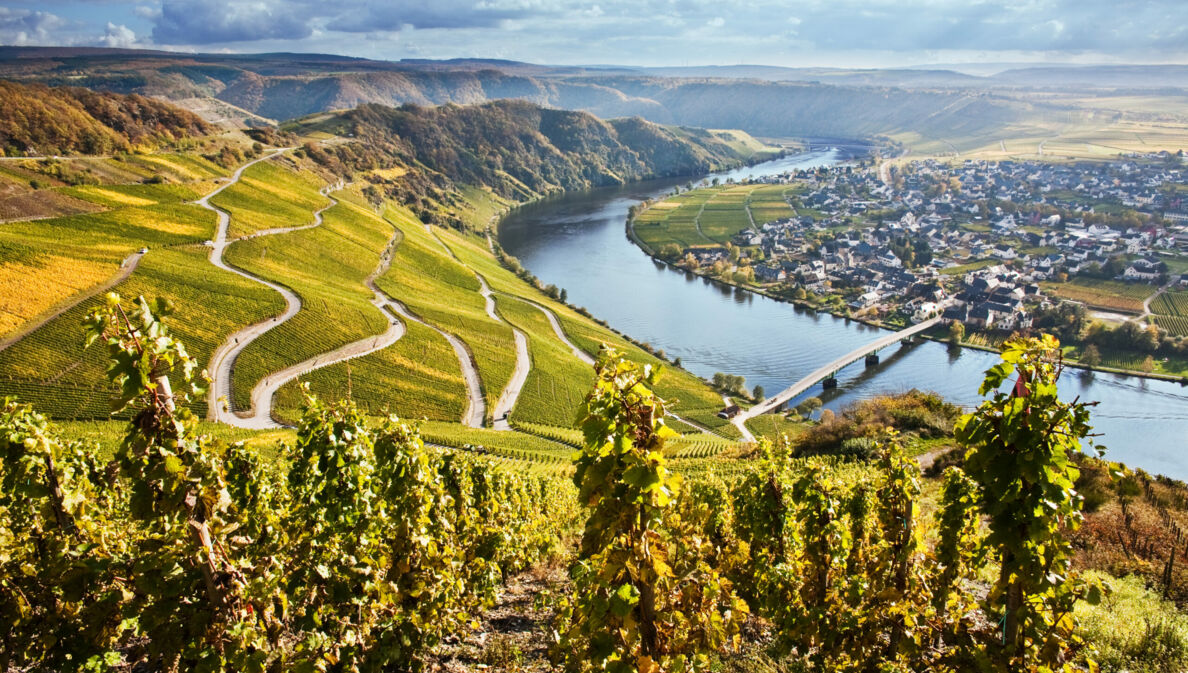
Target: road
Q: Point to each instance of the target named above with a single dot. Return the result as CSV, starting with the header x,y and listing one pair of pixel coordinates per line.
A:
x,y
515,385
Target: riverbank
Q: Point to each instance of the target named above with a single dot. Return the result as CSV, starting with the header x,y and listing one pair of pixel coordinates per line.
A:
x,y
652,253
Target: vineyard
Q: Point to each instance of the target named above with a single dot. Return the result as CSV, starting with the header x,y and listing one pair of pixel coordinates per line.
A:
x,y
47,261
831,556
711,215
51,368
270,196
326,267
445,293
1171,312
1104,294
416,377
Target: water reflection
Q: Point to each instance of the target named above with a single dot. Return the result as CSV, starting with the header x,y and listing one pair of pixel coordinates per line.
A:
x,y
576,241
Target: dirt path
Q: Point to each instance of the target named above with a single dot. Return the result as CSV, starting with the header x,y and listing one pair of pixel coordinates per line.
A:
x,y
515,385
265,391
126,268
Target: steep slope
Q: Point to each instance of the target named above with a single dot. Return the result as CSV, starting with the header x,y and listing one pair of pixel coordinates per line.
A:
x,y
521,150
70,120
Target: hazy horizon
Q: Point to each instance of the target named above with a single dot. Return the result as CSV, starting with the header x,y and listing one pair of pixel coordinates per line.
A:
x,y
644,33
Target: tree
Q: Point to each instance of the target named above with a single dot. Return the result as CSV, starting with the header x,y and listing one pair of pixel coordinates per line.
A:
x,y
1091,356
1020,447
956,332
670,251
758,394
1148,365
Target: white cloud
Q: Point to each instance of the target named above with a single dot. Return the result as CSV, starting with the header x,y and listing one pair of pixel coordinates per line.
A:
x,y
119,36
23,27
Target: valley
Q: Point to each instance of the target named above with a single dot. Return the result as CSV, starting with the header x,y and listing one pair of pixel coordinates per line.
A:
x,y
481,365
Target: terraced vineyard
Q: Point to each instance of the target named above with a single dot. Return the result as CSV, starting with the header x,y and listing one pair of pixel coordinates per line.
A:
x,y
515,445
269,196
50,368
326,267
1104,294
45,262
445,293
417,377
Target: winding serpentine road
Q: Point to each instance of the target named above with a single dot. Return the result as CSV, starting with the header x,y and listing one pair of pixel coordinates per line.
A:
x,y
515,385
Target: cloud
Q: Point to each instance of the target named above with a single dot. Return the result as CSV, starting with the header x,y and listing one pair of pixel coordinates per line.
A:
x,y
437,14
119,36
199,22
22,27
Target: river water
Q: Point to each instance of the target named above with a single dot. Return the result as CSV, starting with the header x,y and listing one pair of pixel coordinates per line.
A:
x,y
577,241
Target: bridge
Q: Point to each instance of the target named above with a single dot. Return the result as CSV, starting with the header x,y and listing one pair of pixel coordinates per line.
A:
x,y
828,372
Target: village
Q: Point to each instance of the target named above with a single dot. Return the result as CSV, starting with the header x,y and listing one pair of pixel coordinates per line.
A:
x,y
983,243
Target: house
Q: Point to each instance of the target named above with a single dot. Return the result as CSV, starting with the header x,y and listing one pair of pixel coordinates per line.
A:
x,y
730,412
1142,269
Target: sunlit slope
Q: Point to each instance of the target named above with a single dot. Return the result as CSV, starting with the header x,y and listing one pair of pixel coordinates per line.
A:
x,y
47,262
271,195
326,266
50,368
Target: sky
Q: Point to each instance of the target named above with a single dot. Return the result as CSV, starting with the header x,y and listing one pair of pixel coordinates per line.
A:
x,y
801,33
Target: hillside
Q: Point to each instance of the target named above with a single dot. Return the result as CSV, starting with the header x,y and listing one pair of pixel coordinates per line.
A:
x,y
36,119
520,150
285,86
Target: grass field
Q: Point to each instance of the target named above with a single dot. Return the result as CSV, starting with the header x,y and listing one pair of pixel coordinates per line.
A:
x,y
269,196
1104,294
326,267
50,368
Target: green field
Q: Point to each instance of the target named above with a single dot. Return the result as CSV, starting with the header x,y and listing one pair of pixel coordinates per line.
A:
x,y
711,215
326,267
270,196
50,368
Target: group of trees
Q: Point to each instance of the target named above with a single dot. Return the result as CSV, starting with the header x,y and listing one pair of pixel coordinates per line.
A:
x,y
36,119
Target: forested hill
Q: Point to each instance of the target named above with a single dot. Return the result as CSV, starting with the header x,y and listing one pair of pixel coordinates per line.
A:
x,y
36,119
520,150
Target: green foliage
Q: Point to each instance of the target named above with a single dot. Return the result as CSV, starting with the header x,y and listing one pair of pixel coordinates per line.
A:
x,y
188,554
646,598
1021,444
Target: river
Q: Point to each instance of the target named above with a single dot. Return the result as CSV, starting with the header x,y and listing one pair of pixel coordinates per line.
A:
x,y
577,241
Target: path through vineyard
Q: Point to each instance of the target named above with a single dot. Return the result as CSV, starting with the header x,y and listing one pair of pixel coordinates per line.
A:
x,y
515,385
222,363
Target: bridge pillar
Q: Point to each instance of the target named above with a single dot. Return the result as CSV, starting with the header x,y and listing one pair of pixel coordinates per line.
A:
x,y
829,383
872,359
